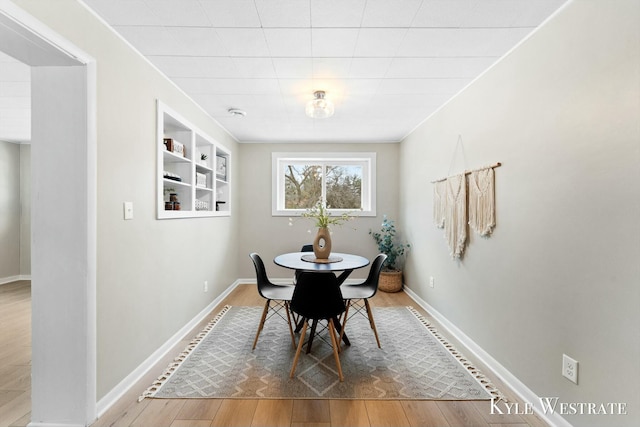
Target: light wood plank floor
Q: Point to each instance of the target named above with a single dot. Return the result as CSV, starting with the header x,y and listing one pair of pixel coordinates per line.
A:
x,y
15,354
128,412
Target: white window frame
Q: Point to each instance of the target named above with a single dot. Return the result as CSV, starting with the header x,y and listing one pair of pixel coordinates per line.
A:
x,y
366,160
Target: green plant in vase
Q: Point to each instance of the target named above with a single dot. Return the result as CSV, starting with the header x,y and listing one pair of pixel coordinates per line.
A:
x,y
321,214
323,219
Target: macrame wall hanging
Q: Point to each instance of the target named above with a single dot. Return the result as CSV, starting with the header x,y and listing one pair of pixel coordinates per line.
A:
x,y
482,207
439,202
453,210
455,220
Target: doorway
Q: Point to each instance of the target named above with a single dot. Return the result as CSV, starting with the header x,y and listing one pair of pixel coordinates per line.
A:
x,y
63,220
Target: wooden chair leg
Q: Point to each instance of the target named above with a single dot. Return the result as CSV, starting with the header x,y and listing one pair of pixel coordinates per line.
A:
x,y
334,344
344,322
371,321
295,317
293,338
262,320
300,344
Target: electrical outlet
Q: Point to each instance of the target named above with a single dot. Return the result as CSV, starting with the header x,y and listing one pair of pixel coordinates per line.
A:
x,y
431,282
206,286
128,210
570,368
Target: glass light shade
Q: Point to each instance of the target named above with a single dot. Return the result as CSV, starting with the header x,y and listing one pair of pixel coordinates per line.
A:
x,y
320,107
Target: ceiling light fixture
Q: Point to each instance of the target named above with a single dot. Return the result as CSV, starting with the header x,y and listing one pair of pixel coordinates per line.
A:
x,y
320,107
236,112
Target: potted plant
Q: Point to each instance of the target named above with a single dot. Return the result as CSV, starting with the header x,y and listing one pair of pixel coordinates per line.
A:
x,y
388,244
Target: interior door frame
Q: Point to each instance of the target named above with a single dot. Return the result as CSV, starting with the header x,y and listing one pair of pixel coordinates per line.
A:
x,y
63,218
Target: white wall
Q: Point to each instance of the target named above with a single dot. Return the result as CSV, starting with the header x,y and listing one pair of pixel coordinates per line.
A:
x,y
63,277
15,211
560,274
150,273
271,235
9,211
25,210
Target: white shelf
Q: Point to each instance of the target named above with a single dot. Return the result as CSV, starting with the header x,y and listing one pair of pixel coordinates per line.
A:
x,y
169,182
202,168
193,200
170,157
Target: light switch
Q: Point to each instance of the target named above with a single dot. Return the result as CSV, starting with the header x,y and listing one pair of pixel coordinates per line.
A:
x,y
128,210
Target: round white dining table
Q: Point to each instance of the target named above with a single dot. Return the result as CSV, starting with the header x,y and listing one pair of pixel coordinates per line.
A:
x,y
305,261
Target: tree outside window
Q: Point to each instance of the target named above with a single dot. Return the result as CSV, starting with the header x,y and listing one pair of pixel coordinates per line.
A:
x,y
304,184
341,181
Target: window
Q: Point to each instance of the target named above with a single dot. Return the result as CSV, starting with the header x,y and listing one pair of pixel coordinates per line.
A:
x,y
344,181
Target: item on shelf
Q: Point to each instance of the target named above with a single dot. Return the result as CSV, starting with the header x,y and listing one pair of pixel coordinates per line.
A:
x,y
221,167
202,205
172,176
175,147
201,180
173,204
218,203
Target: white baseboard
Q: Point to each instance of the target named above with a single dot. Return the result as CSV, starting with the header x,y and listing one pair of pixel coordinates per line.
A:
x,y
11,279
523,392
130,380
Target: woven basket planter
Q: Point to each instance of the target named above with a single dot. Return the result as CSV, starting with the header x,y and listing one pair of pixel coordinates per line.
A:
x,y
390,281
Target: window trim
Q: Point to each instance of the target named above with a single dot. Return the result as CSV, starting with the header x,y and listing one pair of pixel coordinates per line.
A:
x,y
368,159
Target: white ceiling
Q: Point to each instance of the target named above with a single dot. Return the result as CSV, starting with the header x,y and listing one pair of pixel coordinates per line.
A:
x,y
386,64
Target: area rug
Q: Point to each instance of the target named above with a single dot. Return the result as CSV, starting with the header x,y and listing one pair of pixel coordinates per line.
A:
x,y
415,362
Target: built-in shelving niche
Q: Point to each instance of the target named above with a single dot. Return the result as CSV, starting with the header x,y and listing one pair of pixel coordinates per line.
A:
x,y
193,170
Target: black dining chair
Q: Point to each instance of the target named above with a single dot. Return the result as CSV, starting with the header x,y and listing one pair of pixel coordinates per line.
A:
x,y
305,248
316,297
277,298
357,295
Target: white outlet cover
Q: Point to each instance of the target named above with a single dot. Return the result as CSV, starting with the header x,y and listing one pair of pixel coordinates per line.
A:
x,y
128,210
570,368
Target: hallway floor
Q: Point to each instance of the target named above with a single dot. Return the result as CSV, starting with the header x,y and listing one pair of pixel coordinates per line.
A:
x,y
15,387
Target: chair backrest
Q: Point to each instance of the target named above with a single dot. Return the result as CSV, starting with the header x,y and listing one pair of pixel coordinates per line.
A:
x,y
305,248
261,272
317,296
374,272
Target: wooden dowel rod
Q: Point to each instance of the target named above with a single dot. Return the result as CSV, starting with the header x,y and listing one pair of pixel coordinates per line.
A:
x,y
495,165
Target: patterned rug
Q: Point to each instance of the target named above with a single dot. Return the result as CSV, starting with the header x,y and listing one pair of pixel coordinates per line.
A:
x,y
414,362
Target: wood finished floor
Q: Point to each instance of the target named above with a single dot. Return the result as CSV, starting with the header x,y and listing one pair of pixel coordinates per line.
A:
x,y
15,388
15,354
